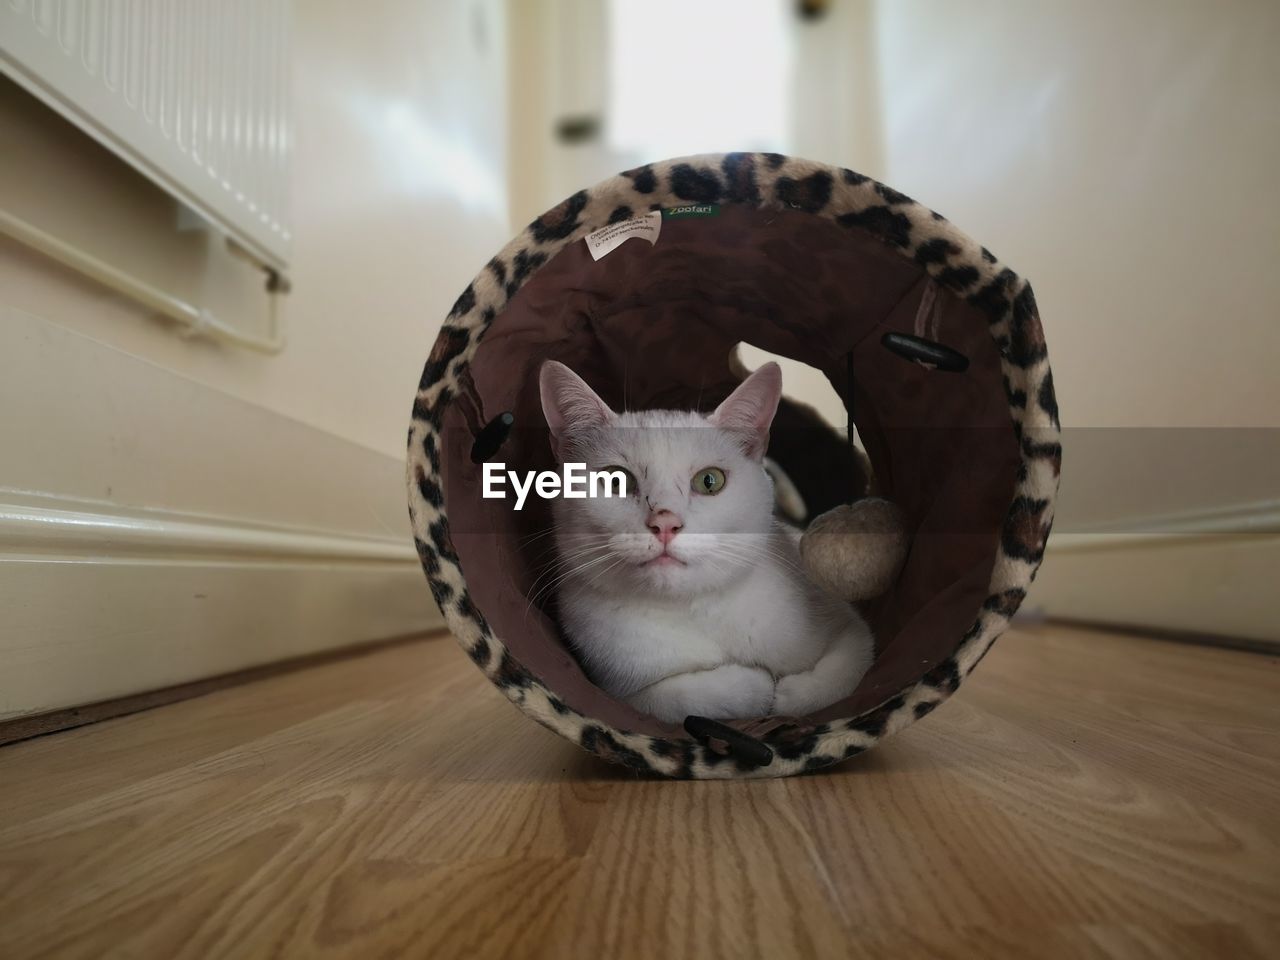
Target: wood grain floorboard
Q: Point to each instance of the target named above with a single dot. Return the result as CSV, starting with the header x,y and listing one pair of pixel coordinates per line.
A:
x,y
1084,795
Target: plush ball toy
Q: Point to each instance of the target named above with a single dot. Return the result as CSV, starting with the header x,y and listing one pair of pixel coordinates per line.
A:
x,y
855,551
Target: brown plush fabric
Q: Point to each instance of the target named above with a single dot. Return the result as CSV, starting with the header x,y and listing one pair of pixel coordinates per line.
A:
x,y
651,326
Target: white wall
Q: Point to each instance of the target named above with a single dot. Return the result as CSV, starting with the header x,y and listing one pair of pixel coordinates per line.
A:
x,y
1123,157
399,197
172,508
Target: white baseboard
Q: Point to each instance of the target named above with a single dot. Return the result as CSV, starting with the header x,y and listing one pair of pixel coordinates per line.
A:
x,y
36,524
1261,517
80,628
1210,571
155,530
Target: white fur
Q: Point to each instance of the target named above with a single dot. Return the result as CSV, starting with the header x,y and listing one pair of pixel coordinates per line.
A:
x,y
731,628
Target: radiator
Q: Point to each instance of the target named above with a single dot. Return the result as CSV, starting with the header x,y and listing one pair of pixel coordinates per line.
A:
x,y
193,93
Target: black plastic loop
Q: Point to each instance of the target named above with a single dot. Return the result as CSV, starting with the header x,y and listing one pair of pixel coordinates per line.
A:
x,y
925,351
741,746
491,437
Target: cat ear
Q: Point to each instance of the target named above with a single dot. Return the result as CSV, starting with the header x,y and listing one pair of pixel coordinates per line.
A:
x,y
749,410
569,404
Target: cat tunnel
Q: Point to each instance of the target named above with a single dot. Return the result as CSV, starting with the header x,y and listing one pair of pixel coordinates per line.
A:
x,y
645,284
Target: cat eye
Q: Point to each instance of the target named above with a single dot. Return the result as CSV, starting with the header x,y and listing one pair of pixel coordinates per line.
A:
x,y
708,480
628,487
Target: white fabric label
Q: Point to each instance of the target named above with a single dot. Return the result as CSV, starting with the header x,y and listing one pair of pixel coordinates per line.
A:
x,y
607,239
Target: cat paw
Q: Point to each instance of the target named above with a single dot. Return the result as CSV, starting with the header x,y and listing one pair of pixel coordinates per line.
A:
x,y
736,692
799,693
731,691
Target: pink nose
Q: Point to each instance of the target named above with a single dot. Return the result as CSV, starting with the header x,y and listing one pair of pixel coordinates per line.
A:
x,y
664,525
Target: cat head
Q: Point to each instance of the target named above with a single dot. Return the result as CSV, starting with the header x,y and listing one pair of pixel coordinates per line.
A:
x,y
697,503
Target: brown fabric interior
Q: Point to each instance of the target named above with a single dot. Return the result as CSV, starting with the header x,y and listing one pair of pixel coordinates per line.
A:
x,y
655,324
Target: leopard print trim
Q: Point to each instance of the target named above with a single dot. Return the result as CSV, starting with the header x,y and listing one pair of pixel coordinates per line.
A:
x,y
766,181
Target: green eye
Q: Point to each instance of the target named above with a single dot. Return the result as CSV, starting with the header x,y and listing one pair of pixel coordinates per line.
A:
x,y
628,486
708,480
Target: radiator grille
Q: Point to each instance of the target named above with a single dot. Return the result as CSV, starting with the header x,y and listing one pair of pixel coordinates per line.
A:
x,y
194,93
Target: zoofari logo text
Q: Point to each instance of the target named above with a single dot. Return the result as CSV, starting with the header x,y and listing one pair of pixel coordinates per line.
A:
x,y
574,482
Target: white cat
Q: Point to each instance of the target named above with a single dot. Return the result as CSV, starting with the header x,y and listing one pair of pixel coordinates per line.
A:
x,y
683,595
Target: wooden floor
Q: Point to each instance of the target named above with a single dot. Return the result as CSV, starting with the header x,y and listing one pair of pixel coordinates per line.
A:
x,y
1083,795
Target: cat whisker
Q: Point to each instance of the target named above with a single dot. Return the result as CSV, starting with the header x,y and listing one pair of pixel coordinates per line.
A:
x,y
563,575
559,564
